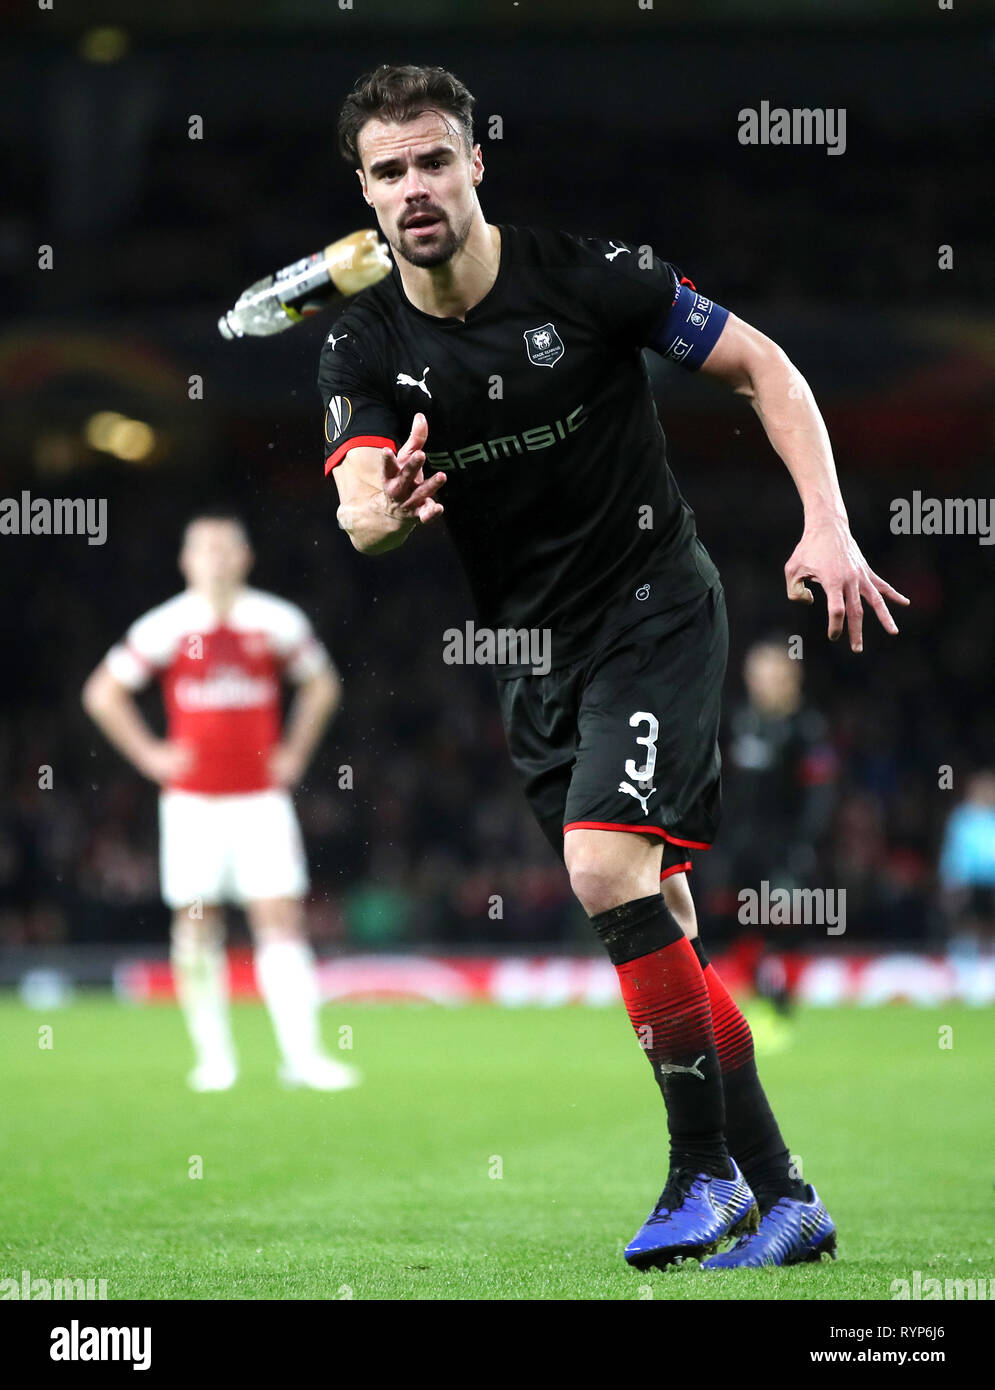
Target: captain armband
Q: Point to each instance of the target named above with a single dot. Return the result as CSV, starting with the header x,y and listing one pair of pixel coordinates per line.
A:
x,y
691,329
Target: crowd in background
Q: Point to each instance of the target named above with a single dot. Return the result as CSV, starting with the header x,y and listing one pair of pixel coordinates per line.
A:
x,y
411,812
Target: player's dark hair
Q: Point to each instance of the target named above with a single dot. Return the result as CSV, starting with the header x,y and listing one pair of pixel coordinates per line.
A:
x,y
770,641
219,513
400,93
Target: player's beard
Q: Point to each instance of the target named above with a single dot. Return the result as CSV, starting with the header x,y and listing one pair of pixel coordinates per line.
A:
x,y
444,247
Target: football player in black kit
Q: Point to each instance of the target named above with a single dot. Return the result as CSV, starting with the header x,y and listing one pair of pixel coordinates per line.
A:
x,y
782,774
496,378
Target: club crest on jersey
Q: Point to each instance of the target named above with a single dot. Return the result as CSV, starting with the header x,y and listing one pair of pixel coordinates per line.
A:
x,y
337,417
544,345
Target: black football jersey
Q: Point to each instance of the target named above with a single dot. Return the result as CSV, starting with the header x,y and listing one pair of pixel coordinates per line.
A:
x,y
776,763
558,496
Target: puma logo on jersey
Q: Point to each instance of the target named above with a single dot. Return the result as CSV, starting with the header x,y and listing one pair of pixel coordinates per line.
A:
x,y
333,340
610,255
666,1068
642,799
404,380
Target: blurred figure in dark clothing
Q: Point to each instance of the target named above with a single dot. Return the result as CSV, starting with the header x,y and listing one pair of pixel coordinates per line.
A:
x,y
780,773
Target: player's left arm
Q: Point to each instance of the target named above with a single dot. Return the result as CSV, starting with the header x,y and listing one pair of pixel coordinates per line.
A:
x,y
304,661
316,701
755,367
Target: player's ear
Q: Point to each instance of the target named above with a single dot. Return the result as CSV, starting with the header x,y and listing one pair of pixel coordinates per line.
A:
x,y
362,183
477,163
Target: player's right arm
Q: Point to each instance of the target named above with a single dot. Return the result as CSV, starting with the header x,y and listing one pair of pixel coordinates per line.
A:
x,y
383,492
384,495
112,708
108,695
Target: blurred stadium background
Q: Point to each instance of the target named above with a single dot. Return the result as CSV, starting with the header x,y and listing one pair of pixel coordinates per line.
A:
x,y
618,123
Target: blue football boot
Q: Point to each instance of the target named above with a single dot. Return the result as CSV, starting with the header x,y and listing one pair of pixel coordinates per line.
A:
x,y
694,1213
791,1233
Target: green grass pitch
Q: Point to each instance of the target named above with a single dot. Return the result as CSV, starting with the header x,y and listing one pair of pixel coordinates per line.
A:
x,y
392,1191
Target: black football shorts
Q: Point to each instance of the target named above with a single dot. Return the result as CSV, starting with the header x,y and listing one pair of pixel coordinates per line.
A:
x,y
627,738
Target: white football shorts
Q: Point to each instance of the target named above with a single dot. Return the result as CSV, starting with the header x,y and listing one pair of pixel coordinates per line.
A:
x,y
216,849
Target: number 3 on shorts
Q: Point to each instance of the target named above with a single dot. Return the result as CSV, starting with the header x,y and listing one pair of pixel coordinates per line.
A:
x,y
644,774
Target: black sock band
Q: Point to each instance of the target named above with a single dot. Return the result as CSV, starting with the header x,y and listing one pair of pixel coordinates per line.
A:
x,y
636,928
699,951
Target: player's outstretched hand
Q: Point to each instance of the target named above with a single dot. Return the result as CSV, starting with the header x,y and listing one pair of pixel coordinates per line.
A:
x,y
828,554
408,496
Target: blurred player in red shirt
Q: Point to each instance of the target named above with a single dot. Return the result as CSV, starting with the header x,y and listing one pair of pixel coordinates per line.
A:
x,y
228,831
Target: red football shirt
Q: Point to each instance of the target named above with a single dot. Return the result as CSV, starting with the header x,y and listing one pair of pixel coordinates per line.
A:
x,y
220,680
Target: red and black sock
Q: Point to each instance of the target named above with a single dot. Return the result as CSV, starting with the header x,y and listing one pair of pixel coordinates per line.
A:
x,y
667,1002
752,1132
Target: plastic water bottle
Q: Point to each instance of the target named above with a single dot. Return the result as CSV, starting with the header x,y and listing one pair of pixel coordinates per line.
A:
x,y
311,284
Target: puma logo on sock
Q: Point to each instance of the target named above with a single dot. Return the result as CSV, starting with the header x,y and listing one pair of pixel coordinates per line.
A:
x,y
667,1067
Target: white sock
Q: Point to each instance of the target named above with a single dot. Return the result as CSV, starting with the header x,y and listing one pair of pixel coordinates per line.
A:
x,y
200,974
288,982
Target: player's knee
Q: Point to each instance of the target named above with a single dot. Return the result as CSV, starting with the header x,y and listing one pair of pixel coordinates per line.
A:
x,y
599,886
275,919
608,870
202,927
